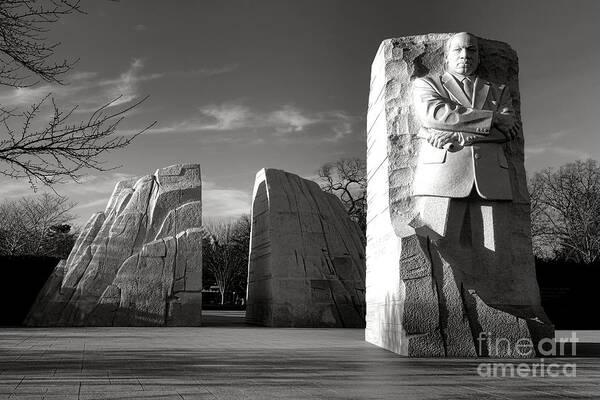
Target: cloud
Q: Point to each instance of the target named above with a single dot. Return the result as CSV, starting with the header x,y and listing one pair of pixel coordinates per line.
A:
x,y
88,91
207,71
548,149
284,122
87,185
85,89
342,124
225,117
83,76
556,144
224,202
140,27
125,88
289,119
14,189
555,135
28,96
91,193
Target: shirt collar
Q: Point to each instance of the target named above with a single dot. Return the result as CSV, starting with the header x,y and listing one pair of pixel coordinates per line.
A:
x,y
461,78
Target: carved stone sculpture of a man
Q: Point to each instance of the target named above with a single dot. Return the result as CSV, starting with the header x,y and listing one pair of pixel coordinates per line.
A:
x,y
462,180
460,109
450,268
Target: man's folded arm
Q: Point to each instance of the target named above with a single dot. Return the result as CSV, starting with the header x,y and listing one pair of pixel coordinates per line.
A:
x,y
438,112
505,108
505,105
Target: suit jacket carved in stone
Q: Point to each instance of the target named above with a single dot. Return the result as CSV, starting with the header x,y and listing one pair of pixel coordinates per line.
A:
x,y
441,104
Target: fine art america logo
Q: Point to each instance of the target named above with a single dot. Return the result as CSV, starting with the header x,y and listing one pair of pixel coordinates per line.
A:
x,y
503,347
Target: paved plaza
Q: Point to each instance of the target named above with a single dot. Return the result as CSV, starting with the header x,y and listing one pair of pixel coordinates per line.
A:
x,y
233,361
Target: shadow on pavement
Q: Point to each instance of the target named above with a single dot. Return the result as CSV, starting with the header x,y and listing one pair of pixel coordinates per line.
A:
x,y
233,318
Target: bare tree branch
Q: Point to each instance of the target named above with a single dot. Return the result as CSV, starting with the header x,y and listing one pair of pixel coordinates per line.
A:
x,y
61,149
55,148
25,53
347,179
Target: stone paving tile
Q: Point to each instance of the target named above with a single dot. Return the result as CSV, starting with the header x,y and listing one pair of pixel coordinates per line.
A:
x,y
250,363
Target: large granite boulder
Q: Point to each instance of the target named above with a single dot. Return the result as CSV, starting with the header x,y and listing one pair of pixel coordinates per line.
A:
x,y
137,263
307,261
418,303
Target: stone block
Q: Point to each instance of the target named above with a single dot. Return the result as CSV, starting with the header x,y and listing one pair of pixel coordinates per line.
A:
x,y
138,261
408,283
306,256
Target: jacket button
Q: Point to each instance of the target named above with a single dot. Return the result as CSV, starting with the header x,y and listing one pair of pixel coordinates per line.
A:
x,y
477,156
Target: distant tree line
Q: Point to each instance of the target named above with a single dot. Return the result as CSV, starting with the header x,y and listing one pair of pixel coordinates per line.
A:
x,y
565,221
225,251
565,212
41,226
36,226
565,206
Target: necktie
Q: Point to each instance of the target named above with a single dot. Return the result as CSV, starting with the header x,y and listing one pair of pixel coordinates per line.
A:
x,y
468,88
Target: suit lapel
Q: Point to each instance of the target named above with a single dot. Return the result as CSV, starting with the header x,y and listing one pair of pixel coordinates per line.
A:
x,y
455,90
481,90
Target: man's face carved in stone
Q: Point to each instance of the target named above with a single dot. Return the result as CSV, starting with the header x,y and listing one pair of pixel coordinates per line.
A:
x,y
462,54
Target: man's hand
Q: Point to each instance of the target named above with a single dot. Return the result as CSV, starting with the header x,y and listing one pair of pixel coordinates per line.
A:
x,y
507,124
439,139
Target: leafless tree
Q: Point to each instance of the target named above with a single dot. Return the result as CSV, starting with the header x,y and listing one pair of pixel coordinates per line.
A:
x,y
225,250
13,232
25,53
36,225
565,212
347,179
48,150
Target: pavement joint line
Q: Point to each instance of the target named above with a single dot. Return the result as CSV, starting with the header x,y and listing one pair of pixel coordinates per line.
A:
x,y
16,387
82,357
204,386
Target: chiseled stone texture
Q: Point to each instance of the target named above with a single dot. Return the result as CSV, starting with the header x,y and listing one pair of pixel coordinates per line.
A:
x,y
137,263
307,263
415,306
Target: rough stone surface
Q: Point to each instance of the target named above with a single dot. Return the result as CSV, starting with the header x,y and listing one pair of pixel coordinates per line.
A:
x,y
416,304
307,262
137,263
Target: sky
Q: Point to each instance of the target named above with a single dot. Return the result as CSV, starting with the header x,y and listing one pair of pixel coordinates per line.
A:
x,y
239,85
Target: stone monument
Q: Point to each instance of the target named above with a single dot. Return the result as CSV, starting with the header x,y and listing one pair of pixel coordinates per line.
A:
x,y
450,268
307,261
137,263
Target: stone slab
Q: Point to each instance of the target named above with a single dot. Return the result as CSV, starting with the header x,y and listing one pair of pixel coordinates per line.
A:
x,y
405,278
306,256
134,260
